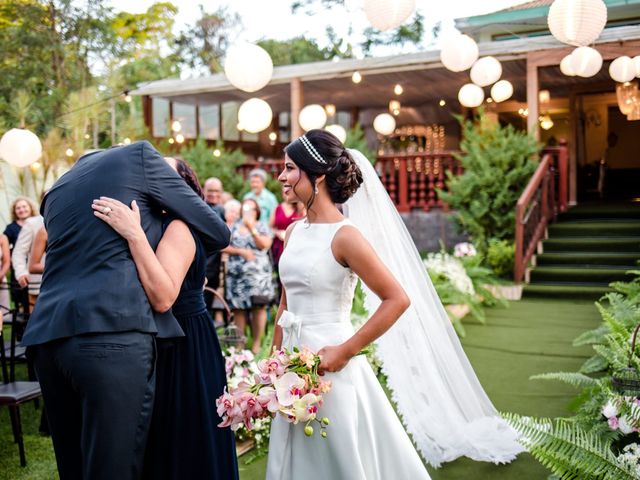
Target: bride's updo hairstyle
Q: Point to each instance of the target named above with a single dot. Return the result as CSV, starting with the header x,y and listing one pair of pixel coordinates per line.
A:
x,y
318,153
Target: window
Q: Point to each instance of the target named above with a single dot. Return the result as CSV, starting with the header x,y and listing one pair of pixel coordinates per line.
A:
x,y
284,127
186,115
210,121
344,120
230,121
160,109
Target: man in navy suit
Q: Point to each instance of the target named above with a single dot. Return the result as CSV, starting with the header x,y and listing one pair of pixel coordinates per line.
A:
x,y
93,331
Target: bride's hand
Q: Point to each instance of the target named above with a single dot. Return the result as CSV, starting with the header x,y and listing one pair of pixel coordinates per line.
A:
x,y
124,220
333,359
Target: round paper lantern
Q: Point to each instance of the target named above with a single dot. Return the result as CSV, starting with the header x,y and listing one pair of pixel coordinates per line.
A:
x,y
577,22
254,115
459,53
312,116
20,147
471,95
388,14
338,131
501,91
622,69
636,63
248,67
586,61
566,66
384,124
486,71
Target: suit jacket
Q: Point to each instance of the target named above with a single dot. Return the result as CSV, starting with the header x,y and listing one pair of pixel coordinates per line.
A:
x,y
90,283
22,252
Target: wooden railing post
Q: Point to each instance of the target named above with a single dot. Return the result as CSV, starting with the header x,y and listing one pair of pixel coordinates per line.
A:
x,y
563,176
518,263
403,186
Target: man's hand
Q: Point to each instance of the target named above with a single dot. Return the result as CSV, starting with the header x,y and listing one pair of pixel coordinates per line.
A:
x,y
23,280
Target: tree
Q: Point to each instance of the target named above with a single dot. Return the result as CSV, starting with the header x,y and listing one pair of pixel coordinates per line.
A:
x,y
498,163
408,33
202,47
294,50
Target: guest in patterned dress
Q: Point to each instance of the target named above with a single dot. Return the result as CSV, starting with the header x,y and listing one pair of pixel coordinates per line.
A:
x,y
249,281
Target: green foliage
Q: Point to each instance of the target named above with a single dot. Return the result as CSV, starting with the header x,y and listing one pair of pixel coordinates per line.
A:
x,y
204,45
574,379
407,33
569,451
500,257
201,158
498,163
357,140
295,50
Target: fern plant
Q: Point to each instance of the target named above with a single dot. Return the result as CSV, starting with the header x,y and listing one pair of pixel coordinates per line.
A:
x,y
569,451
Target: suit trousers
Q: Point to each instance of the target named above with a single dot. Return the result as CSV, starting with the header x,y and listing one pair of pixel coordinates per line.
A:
x,y
98,392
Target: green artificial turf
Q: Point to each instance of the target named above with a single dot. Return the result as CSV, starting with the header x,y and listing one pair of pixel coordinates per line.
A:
x,y
530,337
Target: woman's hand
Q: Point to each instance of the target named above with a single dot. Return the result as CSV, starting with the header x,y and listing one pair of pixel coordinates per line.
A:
x,y
248,255
249,220
333,359
124,220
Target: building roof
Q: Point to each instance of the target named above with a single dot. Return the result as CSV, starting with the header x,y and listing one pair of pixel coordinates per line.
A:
x,y
527,5
421,73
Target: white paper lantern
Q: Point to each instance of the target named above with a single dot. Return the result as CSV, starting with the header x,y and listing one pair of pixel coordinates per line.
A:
x,y
384,124
501,91
459,52
586,61
636,63
254,115
566,66
622,69
486,71
338,131
312,116
248,67
20,147
471,95
388,14
577,22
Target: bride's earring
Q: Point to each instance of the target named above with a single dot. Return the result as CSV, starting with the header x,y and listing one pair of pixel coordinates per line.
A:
x,y
316,190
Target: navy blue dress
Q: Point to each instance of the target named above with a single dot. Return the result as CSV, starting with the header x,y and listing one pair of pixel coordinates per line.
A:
x,y
185,440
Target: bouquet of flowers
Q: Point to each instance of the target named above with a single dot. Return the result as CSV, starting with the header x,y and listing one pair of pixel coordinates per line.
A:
x,y
286,383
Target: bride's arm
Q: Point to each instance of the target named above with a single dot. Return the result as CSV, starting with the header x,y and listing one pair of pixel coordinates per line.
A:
x,y
161,272
351,249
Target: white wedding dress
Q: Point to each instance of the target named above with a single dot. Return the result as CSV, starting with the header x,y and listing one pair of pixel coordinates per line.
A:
x,y
365,438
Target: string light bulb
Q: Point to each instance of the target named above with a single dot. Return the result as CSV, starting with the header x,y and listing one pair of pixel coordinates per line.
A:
x,y
356,77
398,89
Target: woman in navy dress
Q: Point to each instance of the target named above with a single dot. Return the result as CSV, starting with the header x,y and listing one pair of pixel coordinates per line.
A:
x,y
184,439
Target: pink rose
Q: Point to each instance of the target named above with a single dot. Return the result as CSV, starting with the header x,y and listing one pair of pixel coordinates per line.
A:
x,y
613,423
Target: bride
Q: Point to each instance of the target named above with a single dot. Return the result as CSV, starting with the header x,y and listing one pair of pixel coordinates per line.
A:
x,y
436,391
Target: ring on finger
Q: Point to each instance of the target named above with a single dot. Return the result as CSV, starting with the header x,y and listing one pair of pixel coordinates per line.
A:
x,y
106,210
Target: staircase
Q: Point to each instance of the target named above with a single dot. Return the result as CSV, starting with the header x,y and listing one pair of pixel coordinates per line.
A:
x,y
588,247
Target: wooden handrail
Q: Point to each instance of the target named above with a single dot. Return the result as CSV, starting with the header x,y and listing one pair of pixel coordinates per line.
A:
x,y
543,198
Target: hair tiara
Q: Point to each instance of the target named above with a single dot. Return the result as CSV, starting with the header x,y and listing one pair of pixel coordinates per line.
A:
x,y
311,149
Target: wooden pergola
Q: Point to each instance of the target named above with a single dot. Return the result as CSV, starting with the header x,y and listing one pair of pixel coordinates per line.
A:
x,y
530,64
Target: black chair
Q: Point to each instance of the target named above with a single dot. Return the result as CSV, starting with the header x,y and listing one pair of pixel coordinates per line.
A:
x,y
12,393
